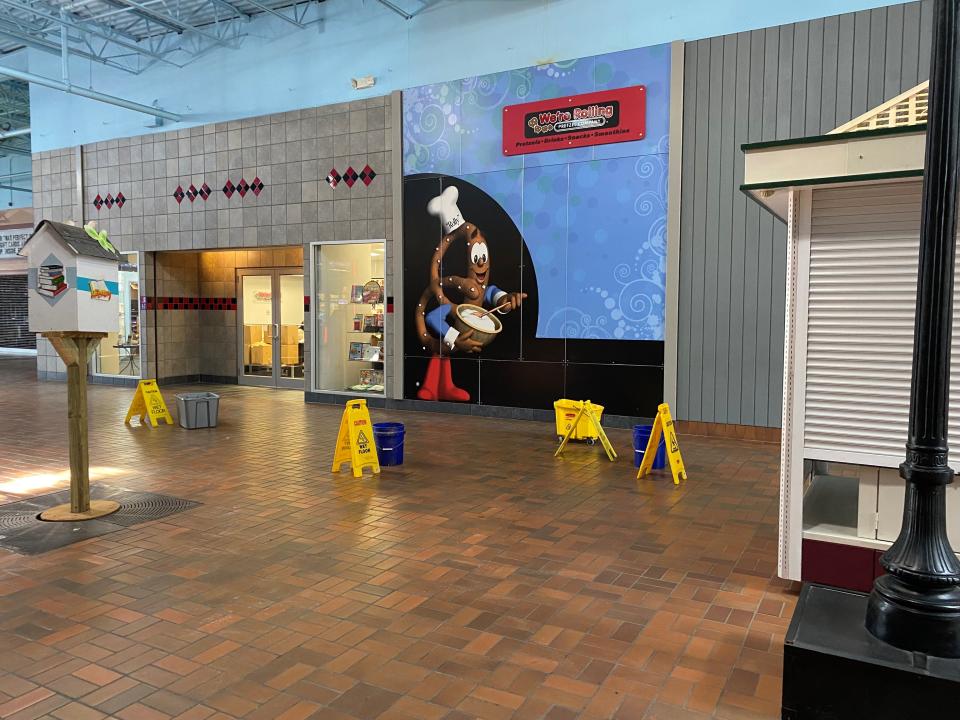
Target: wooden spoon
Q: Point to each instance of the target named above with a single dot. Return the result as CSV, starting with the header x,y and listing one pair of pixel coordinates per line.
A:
x,y
492,310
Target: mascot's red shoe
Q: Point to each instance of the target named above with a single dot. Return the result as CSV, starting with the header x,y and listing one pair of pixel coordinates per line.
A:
x,y
429,389
449,391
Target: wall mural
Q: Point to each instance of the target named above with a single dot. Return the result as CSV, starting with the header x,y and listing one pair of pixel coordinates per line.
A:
x,y
574,239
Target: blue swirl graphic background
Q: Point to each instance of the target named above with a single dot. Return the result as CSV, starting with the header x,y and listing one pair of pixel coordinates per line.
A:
x,y
594,218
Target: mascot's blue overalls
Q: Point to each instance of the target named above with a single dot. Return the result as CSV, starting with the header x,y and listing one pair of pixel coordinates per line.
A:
x,y
437,318
434,327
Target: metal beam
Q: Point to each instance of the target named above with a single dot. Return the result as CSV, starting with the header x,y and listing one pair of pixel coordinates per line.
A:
x,y
398,10
90,94
170,19
64,47
10,150
83,28
14,133
15,188
124,8
232,8
9,31
271,11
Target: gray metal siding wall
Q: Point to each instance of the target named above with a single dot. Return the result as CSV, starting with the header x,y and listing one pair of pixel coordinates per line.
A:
x,y
781,82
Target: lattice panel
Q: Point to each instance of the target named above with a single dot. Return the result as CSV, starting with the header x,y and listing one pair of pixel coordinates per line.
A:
x,y
909,108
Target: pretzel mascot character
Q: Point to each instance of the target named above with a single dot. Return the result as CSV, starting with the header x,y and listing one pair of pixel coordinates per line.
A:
x,y
434,328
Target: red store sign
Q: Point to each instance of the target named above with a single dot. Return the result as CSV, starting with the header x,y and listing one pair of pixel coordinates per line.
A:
x,y
598,118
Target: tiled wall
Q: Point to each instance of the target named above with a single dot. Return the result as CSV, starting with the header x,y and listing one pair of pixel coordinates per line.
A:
x,y
291,154
55,195
177,348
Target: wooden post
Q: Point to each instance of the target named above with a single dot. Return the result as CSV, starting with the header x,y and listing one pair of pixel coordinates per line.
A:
x,y
77,419
75,348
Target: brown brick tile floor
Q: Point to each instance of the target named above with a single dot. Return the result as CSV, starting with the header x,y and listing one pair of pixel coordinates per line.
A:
x,y
482,579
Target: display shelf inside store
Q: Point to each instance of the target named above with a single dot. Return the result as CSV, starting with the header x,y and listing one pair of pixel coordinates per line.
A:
x,y
830,508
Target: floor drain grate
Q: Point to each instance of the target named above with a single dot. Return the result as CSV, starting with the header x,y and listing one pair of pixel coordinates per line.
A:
x,y
15,518
146,507
23,532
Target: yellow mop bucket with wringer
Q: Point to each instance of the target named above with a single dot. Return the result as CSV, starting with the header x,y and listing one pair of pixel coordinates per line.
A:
x,y
566,412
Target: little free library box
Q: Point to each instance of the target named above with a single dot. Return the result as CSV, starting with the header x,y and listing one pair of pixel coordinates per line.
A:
x,y
71,279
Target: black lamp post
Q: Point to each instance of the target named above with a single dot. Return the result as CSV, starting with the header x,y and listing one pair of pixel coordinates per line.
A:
x,y
916,606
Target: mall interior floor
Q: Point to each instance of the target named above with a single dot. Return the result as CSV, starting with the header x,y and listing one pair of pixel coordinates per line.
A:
x,y
482,579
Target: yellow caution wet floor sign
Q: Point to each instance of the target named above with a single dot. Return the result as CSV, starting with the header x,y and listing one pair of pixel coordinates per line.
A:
x,y
355,441
148,404
663,425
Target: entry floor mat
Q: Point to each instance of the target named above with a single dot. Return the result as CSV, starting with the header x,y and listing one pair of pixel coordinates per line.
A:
x,y
23,532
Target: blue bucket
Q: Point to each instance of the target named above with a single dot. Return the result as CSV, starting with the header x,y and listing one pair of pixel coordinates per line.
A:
x,y
641,436
388,437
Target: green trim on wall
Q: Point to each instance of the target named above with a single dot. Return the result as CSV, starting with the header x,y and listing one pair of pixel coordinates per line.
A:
x,y
837,137
862,177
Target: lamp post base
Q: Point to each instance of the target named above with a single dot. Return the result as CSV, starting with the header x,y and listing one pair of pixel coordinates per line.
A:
x,y
928,623
834,668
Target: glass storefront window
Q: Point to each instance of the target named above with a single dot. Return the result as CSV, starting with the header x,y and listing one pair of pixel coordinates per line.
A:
x,y
349,352
119,352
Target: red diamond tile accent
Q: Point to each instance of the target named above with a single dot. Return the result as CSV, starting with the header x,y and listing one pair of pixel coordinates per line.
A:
x,y
204,191
178,194
257,186
98,202
333,178
242,187
108,201
350,176
120,199
228,189
192,192
367,175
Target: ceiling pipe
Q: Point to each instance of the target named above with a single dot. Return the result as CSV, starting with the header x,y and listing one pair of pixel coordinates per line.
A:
x,y
64,48
14,133
89,94
398,10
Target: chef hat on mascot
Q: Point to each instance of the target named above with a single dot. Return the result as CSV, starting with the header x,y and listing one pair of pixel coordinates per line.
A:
x,y
445,207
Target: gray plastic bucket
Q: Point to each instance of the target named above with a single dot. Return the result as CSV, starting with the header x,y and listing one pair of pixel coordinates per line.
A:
x,y
198,410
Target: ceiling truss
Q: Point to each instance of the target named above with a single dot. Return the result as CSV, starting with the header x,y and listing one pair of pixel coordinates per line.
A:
x,y
14,116
126,35
133,35
130,36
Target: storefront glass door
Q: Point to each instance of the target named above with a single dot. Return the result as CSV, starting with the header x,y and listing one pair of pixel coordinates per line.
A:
x,y
270,313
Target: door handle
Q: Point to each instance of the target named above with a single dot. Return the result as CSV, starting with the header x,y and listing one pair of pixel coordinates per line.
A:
x,y
276,331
